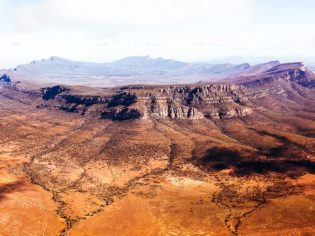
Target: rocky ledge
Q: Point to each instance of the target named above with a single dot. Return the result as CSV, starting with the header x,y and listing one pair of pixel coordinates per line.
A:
x,y
193,102
214,101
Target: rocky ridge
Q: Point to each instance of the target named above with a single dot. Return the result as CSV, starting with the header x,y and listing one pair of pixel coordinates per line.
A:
x,y
196,101
193,102
288,72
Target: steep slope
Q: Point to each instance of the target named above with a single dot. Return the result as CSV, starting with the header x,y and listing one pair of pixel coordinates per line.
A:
x,y
287,72
213,101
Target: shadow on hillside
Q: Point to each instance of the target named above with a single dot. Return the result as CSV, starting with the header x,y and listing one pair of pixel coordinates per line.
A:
x,y
288,149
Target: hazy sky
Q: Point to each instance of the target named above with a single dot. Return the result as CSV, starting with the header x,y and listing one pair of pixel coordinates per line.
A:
x,y
189,30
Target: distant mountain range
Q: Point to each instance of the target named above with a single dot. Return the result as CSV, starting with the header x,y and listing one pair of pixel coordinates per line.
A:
x,y
311,66
130,70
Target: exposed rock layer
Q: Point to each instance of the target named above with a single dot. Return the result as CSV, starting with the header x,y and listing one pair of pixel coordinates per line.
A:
x,y
198,101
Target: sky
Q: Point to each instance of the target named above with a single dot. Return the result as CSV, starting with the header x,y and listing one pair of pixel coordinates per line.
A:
x,y
188,30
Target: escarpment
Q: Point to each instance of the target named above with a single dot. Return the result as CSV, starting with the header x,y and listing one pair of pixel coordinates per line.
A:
x,y
235,98
192,102
287,72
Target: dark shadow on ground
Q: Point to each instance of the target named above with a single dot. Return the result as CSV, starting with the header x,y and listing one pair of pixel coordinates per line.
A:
x,y
245,163
11,187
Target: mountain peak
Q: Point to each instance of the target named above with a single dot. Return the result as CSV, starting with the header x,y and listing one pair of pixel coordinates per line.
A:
x,y
55,58
135,59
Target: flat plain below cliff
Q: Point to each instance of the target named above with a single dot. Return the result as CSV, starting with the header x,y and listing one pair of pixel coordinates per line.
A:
x,y
234,157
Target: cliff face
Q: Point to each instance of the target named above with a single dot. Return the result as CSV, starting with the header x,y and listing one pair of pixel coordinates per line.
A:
x,y
198,101
167,102
288,72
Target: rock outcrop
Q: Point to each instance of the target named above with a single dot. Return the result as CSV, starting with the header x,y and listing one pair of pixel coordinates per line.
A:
x,y
288,72
5,79
215,101
52,92
236,98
